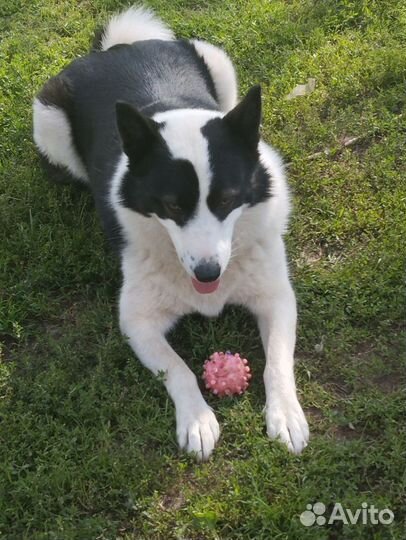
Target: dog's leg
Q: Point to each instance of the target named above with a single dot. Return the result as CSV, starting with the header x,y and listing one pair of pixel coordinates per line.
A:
x,y
275,308
196,425
284,416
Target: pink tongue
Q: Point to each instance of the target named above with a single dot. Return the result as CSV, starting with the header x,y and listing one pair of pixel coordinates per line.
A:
x,y
205,288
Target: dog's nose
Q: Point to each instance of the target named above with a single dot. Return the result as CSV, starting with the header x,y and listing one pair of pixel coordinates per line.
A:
x,y
207,271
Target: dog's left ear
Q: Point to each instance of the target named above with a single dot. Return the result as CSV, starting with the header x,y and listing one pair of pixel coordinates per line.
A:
x,y
244,120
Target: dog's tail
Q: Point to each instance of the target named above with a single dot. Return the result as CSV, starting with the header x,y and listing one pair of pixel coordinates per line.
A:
x,y
137,23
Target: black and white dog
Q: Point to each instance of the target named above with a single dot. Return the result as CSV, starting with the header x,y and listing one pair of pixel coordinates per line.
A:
x,y
179,173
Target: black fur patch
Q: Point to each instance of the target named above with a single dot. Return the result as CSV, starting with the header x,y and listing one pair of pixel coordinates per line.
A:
x,y
158,184
238,176
57,92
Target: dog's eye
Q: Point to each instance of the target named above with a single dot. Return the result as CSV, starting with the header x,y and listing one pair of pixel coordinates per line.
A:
x,y
226,200
172,207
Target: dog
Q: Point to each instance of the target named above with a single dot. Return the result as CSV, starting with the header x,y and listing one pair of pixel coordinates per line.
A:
x,y
190,197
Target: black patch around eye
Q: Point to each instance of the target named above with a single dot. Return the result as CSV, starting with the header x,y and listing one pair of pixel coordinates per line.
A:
x,y
236,169
159,178
223,203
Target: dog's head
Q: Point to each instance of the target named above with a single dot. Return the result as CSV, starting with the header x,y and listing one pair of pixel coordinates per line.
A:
x,y
195,171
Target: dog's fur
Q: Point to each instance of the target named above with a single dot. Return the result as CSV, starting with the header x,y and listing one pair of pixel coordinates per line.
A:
x,y
188,195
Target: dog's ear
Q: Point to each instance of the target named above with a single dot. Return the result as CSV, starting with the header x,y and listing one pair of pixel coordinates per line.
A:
x,y
138,133
244,120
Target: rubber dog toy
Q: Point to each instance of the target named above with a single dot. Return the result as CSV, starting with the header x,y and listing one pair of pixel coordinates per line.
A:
x,y
226,374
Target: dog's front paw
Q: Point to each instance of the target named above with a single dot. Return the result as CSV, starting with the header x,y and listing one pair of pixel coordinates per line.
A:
x,y
197,430
286,421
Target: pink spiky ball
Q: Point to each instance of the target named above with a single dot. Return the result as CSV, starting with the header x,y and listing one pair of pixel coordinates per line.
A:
x,y
226,374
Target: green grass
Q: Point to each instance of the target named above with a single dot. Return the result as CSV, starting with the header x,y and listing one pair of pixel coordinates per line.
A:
x,y
87,440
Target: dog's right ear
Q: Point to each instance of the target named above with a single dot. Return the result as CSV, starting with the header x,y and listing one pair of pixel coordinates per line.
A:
x,y
138,133
245,119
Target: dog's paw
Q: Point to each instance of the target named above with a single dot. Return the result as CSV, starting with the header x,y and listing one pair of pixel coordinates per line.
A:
x,y
197,430
286,421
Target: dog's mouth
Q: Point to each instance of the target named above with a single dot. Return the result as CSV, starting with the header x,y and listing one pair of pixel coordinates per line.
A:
x,y
205,287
